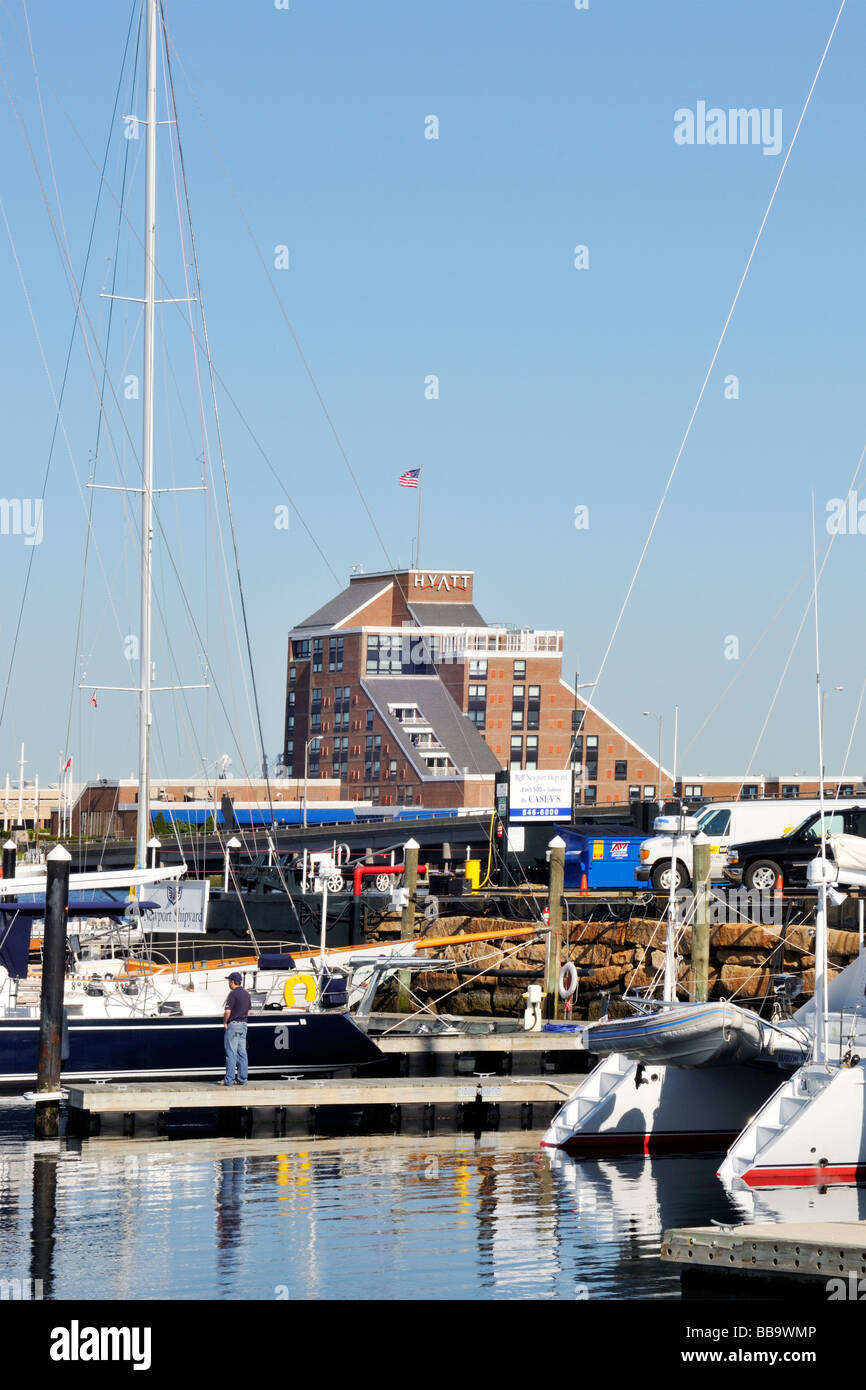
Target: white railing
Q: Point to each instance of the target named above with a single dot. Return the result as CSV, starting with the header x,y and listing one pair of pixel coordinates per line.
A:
x,y
516,641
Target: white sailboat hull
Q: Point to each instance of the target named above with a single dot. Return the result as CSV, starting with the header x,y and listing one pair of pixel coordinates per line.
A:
x,y
624,1106
811,1132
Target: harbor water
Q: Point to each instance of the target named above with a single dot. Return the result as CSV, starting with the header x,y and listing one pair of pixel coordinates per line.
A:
x,y
362,1217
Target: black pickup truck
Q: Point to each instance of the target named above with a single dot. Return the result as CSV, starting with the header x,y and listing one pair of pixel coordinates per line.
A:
x,y
758,863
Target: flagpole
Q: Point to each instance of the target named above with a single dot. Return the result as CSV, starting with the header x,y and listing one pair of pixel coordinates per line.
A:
x,y
418,536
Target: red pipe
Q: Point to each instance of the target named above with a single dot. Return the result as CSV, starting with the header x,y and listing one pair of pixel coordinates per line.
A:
x,y
362,869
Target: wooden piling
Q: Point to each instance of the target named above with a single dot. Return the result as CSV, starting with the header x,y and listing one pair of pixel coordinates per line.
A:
x,y
553,954
701,928
47,1119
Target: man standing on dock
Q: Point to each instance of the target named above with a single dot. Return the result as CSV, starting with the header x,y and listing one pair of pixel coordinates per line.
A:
x,y
237,1008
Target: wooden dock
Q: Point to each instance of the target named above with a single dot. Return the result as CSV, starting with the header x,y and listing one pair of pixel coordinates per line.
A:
x,y
803,1258
517,1053
306,1106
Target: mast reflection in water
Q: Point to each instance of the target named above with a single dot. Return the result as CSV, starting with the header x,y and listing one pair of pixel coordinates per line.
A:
x,y
389,1218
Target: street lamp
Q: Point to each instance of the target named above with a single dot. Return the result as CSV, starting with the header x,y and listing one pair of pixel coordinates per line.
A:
x,y
312,739
648,714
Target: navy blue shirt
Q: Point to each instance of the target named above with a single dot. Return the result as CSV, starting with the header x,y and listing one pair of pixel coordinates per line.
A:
x,y
238,1005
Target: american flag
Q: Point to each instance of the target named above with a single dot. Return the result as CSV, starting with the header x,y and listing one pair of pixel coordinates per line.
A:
x,y
411,478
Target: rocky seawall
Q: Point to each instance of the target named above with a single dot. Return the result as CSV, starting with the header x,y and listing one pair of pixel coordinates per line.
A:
x,y
613,957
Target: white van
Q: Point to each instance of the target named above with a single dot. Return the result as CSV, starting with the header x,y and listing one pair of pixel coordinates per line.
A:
x,y
725,823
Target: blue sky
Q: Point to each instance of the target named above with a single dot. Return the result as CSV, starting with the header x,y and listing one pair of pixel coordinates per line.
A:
x,y
409,257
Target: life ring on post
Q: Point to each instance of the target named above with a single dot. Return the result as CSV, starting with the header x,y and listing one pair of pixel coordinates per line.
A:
x,y
293,986
567,983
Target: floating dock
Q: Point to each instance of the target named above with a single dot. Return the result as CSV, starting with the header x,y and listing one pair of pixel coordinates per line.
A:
x,y
792,1260
304,1106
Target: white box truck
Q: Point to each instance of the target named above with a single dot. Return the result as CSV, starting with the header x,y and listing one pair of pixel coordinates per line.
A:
x,y
725,823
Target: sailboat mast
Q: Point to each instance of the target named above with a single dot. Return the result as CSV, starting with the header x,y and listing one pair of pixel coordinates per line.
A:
x,y
143,821
821,1021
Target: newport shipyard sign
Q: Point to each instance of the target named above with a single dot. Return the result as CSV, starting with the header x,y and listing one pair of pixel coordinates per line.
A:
x,y
178,906
423,580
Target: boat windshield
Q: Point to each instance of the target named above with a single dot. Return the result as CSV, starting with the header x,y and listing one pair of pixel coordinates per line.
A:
x,y
810,829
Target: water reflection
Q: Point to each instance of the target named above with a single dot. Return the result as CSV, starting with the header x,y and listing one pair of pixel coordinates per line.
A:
x,y
43,1224
367,1218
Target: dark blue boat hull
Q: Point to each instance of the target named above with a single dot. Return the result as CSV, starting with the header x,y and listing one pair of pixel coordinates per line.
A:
x,y
138,1048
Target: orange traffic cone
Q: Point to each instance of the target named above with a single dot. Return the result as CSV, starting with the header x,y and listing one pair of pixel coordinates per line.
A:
x,y
780,884
583,884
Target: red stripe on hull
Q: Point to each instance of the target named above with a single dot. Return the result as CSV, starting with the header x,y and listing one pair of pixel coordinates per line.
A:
x,y
805,1177
589,1145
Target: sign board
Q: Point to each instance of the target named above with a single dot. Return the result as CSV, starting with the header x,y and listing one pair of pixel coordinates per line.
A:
x,y
541,795
181,906
516,839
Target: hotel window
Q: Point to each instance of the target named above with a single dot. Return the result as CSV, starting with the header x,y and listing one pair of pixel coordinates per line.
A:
x,y
293,671
532,751
520,670
392,768
335,654
478,670
302,649
477,709
369,724
749,792
694,789
313,761
372,756
577,751
318,644
316,710
649,792
518,695
589,796
533,708
516,750
620,770
340,757
384,656
592,757
634,793
289,753
375,796
790,790
846,789
290,720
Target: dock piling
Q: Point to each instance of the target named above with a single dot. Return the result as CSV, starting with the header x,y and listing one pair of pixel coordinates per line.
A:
x,y
47,1118
553,954
407,916
701,927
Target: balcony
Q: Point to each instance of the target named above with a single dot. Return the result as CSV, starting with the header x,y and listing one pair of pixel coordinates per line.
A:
x,y
515,641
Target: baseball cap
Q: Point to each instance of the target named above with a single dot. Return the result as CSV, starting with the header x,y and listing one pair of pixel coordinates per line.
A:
x,y
234,978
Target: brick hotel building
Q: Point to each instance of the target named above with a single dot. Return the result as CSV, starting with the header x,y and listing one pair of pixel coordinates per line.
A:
x,y
399,688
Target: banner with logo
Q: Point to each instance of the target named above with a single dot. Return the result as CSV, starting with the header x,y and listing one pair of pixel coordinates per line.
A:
x,y
540,795
181,907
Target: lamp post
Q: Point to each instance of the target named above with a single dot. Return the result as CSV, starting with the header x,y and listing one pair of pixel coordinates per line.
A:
x,y
648,714
312,739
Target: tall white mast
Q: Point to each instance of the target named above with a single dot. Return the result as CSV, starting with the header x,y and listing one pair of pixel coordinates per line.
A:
x,y
820,1052
143,822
